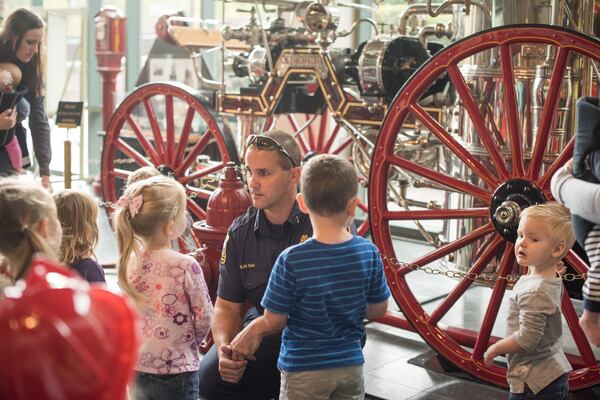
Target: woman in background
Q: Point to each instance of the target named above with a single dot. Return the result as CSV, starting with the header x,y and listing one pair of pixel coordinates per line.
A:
x,y
21,43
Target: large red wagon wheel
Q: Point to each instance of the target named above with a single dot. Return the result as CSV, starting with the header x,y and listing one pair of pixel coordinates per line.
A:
x,y
172,127
490,173
320,134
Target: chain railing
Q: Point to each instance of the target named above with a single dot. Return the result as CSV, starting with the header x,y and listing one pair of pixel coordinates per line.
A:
x,y
488,277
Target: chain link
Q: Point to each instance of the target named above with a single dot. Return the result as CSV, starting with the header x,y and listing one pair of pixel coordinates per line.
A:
x,y
488,277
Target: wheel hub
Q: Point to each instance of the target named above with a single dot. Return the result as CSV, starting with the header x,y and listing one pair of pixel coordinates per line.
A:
x,y
509,200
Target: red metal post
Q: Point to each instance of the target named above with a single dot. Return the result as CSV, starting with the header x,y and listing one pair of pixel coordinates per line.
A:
x,y
110,49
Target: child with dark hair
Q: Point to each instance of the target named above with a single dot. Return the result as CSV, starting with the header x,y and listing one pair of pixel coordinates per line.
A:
x,y
320,291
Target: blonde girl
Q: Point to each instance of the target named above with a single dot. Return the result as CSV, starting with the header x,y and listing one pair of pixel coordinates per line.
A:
x,y
168,288
188,242
77,213
28,225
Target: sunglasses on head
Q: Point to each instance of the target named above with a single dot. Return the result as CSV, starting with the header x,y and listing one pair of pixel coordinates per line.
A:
x,y
267,142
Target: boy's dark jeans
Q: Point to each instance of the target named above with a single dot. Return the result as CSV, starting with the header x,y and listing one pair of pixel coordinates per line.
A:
x,y
556,390
184,386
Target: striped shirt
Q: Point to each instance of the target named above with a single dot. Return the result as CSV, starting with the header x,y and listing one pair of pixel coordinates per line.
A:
x,y
583,199
591,288
324,289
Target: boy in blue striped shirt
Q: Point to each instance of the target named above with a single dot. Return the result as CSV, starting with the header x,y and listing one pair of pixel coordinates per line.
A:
x,y
320,291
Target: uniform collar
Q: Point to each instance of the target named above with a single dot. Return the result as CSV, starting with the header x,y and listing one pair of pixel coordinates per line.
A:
x,y
263,226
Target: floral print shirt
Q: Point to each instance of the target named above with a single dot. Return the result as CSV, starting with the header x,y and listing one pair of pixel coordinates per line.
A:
x,y
176,317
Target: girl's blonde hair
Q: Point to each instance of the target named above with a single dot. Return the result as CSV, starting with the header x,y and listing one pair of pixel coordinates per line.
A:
x,y
77,213
142,173
162,200
24,205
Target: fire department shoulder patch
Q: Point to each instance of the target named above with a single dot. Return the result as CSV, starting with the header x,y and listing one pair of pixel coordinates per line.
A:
x,y
224,251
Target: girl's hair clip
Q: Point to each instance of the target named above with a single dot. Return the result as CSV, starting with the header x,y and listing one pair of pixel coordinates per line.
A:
x,y
132,203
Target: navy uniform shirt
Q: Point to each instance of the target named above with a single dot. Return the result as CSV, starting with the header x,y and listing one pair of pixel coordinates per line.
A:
x,y
250,250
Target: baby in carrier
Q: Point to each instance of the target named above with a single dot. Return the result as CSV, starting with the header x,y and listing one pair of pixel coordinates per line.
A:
x,y
11,97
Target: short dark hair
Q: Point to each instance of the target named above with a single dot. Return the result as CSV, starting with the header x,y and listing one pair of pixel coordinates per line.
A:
x,y
328,182
289,143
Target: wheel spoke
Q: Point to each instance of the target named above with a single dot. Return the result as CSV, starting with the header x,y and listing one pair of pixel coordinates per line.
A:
x,y
298,134
160,147
196,209
436,214
269,123
146,145
548,113
450,247
185,134
510,110
332,137
489,113
585,350
442,179
121,173
342,146
197,149
506,265
323,125
435,127
198,192
311,134
202,173
576,262
466,281
133,153
484,134
170,129
566,155
363,206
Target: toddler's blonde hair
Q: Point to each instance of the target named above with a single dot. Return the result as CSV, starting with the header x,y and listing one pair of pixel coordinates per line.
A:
x,y
558,219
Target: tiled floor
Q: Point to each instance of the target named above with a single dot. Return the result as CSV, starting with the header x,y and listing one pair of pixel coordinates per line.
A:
x,y
388,373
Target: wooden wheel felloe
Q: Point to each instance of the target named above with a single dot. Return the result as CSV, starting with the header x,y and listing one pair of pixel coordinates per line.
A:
x,y
172,127
500,163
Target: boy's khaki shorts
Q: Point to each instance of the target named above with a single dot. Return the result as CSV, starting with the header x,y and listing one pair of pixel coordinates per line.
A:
x,y
345,383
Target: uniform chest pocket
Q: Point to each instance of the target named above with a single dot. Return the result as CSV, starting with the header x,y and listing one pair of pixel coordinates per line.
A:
x,y
253,278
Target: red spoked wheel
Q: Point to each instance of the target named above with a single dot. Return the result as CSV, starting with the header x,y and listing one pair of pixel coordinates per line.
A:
x,y
494,164
173,128
321,134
